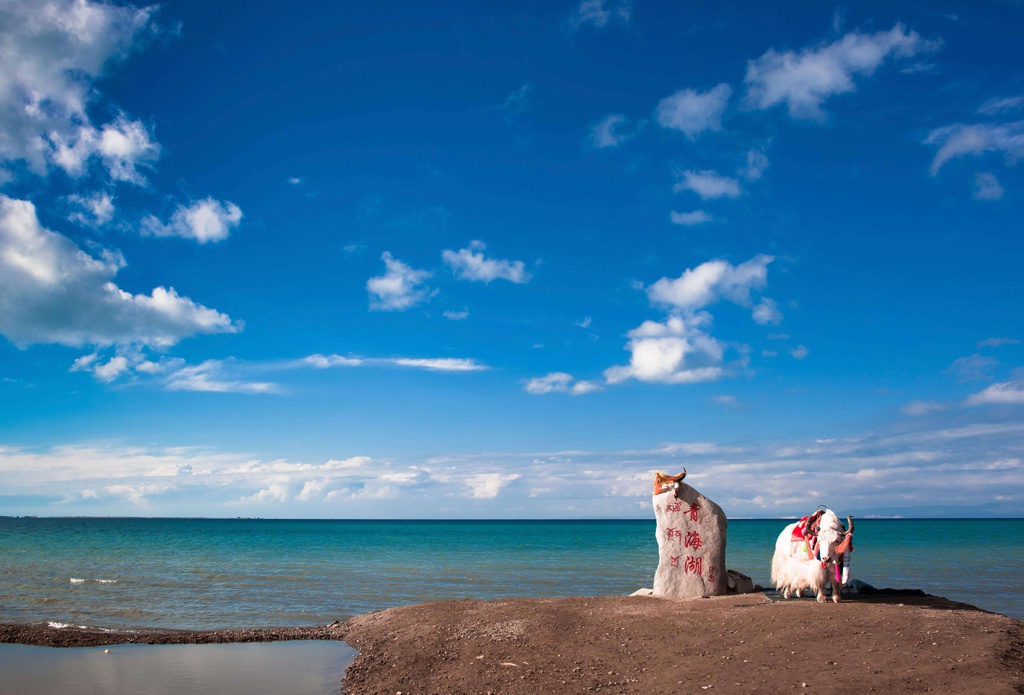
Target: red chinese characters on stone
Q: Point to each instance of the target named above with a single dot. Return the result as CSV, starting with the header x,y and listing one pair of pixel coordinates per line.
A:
x,y
692,511
694,565
673,534
693,540
711,575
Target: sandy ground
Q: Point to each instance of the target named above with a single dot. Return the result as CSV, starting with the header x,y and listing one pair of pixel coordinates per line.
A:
x,y
735,644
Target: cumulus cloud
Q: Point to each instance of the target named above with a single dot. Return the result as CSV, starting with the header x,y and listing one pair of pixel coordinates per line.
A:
x,y
767,312
204,221
693,112
960,140
707,184
678,351
456,315
123,146
600,13
399,288
92,211
560,382
54,51
612,131
471,264
713,281
488,485
799,352
986,187
804,80
690,219
53,292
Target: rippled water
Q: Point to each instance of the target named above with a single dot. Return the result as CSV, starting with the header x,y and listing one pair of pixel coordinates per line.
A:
x,y
223,573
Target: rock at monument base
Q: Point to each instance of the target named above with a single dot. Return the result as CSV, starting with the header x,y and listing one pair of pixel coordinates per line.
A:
x,y
740,583
691,545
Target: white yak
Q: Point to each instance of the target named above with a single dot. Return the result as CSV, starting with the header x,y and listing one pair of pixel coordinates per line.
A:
x,y
794,569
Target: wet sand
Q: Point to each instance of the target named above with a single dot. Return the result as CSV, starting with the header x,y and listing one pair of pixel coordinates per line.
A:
x,y
736,644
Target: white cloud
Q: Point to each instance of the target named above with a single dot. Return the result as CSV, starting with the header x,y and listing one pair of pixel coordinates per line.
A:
x,y
206,220
209,377
767,312
973,368
53,53
433,364
612,131
600,13
679,351
693,112
53,292
325,361
1000,105
712,281
804,80
456,315
439,364
235,376
689,219
399,288
294,180
707,184
903,470
584,322
921,408
94,211
799,352
757,162
471,264
1001,393
986,187
960,140
560,382
488,485
123,146
997,342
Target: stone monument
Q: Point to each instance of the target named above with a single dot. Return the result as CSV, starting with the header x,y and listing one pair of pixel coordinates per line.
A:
x,y
691,542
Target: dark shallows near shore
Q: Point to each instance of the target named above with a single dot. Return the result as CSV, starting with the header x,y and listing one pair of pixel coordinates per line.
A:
x,y
216,574
270,668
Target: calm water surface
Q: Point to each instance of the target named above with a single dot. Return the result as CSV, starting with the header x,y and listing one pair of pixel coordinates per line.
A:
x,y
220,573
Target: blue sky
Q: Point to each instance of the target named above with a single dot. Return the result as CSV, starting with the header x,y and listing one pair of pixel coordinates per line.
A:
x,y
507,259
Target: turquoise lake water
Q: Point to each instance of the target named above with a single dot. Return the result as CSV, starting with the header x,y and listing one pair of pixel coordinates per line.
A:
x,y
221,573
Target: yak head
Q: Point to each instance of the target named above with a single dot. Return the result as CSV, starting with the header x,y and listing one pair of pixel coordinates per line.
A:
x,y
833,537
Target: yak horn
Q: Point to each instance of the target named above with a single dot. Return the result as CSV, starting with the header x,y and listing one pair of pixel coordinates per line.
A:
x,y
849,520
